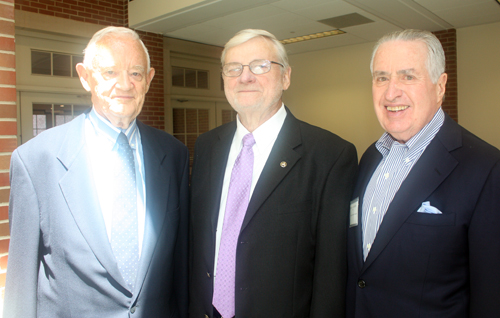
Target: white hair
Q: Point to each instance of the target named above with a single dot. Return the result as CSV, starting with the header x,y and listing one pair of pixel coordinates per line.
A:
x,y
435,54
249,34
91,49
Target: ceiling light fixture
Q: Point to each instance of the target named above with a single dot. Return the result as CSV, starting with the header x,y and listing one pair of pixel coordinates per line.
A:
x,y
313,36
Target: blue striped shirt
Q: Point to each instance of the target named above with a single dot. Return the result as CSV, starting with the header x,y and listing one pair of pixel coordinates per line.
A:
x,y
397,161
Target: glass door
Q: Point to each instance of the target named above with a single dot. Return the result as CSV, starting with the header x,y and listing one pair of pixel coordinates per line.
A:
x,y
42,111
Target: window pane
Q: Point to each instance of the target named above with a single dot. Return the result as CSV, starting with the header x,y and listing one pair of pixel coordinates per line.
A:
x,y
44,116
41,122
191,121
191,140
62,64
178,121
202,79
60,111
203,120
59,120
177,76
181,138
190,78
40,63
75,60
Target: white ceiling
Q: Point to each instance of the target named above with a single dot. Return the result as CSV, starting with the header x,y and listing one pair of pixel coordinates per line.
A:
x,y
216,21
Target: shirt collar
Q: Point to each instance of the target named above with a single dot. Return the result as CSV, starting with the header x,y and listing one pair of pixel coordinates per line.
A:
x,y
266,133
421,139
104,128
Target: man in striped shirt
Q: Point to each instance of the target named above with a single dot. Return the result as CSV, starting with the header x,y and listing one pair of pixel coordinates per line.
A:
x,y
423,238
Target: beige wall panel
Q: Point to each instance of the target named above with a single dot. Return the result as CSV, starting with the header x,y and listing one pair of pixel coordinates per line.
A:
x,y
479,81
332,89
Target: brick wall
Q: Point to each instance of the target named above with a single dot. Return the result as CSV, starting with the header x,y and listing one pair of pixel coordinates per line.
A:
x,y
104,12
448,39
8,123
153,111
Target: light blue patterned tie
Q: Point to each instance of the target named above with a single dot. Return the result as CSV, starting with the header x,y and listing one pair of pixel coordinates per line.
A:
x,y
236,208
124,236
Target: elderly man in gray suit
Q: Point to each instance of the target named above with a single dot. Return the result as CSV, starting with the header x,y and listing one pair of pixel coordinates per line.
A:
x,y
98,206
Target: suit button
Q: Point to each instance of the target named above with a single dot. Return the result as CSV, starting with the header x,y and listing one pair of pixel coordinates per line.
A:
x,y
208,274
206,316
361,283
132,310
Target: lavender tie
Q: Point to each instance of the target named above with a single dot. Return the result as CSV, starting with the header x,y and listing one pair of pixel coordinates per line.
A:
x,y
236,207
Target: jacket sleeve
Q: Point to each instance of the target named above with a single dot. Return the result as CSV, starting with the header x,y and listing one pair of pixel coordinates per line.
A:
x,y
484,249
330,267
23,262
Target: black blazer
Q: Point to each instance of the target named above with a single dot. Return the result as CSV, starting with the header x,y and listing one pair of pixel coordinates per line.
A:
x,y
432,265
60,260
290,261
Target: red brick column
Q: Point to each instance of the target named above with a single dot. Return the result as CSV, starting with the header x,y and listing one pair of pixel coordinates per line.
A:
x,y
153,111
448,39
8,124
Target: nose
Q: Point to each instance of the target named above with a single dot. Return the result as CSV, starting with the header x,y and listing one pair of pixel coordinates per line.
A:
x,y
247,76
123,81
393,90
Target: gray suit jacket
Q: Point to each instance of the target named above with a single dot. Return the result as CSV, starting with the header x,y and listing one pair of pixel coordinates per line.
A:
x,y
60,260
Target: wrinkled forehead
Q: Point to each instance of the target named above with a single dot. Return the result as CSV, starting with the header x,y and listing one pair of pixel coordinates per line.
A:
x,y
121,51
255,48
400,55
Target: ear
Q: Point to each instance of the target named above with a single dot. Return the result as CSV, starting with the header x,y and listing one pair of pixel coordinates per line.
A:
x,y
84,76
286,78
441,87
149,78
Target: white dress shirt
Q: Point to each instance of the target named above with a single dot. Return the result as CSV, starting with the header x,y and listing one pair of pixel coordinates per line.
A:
x,y
265,136
101,138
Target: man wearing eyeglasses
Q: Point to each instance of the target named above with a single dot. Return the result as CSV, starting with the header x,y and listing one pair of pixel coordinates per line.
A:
x,y
270,199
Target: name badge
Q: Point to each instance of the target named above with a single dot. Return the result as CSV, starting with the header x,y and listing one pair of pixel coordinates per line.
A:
x,y
353,216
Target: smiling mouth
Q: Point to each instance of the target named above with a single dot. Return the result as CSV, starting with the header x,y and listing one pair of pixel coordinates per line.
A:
x,y
396,108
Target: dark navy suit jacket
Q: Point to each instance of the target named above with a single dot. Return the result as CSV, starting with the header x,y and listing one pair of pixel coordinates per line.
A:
x,y
290,258
432,265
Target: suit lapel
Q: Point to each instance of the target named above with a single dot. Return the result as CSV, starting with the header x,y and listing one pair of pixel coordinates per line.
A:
x,y
370,162
272,174
218,161
157,179
433,167
79,191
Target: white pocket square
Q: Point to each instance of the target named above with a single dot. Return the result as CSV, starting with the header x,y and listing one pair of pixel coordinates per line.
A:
x,y
427,208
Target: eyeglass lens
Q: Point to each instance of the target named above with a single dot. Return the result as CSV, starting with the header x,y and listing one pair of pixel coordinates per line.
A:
x,y
257,67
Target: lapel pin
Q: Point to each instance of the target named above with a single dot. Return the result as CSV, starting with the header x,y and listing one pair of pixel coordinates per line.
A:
x,y
283,164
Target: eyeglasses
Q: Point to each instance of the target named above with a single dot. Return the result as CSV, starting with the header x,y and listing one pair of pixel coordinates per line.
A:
x,y
258,67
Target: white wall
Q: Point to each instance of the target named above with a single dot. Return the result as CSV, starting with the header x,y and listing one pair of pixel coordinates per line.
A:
x,y
332,89
478,53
